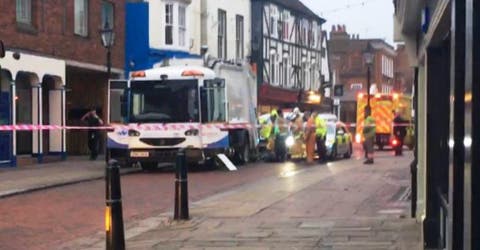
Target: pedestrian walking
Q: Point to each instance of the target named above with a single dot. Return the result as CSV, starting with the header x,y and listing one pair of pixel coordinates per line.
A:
x,y
92,120
369,132
310,137
321,133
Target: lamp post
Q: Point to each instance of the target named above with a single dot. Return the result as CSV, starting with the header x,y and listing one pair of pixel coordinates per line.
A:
x,y
108,38
368,55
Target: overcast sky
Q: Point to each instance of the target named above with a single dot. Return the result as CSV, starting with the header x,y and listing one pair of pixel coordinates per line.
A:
x,y
368,18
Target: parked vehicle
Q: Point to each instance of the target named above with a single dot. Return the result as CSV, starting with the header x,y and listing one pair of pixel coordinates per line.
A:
x,y
204,110
383,109
338,141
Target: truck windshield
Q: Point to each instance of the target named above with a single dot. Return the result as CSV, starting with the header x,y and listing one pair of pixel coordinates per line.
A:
x,y
174,101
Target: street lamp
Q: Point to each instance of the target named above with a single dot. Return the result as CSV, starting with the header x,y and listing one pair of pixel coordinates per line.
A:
x,y
368,55
108,38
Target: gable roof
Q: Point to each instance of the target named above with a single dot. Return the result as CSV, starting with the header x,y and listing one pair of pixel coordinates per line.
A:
x,y
298,6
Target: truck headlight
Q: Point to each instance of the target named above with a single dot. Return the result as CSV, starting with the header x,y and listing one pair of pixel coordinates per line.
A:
x,y
133,133
289,141
192,132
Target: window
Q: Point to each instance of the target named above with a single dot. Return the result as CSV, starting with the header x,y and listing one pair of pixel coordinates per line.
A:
x,y
182,28
240,36
24,11
107,15
213,101
169,24
222,34
81,17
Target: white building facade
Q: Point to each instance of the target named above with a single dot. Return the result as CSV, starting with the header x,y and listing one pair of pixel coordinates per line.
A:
x,y
161,30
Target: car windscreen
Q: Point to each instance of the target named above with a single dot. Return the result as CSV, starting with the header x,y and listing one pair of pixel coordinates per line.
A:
x,y
172,101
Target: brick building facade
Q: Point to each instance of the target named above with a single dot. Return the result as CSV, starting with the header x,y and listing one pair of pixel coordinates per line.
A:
x,y
60,71
404,73
350,71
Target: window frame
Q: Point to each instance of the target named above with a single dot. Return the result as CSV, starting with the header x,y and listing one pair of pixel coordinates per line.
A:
x,y
169,24
80,27
222,38
182,25
106,18
23,12
240,36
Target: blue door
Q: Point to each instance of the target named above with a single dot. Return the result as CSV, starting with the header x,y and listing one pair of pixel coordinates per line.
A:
x,y
5,136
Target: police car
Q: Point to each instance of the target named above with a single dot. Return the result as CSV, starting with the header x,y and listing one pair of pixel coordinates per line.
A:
x,y
338,140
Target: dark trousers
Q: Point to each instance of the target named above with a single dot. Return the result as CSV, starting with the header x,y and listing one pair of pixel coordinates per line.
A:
x,y
321,149
93,140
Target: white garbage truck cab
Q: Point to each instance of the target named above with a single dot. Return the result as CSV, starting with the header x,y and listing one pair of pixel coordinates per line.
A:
x,y
206,111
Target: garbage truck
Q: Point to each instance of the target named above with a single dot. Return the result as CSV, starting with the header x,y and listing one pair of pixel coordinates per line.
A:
x,y
206,107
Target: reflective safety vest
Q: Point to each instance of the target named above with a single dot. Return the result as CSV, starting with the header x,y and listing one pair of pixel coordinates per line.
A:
x,y
266,129
321,126
369,130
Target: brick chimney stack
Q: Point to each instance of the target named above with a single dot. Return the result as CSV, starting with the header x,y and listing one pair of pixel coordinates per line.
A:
x,y
339,32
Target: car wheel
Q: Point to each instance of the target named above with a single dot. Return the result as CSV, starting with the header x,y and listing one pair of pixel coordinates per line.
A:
x,y
348,154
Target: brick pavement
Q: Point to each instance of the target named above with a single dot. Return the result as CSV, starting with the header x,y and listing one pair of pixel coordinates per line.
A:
x,y
344,205
40,176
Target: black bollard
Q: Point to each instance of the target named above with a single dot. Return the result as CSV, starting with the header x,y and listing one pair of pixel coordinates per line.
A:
x,y
181,187
113,214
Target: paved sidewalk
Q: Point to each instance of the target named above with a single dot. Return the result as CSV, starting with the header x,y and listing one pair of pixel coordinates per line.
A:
x,y
344,205
40,176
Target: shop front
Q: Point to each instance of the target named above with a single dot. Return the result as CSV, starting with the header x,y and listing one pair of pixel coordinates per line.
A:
x,y
33,93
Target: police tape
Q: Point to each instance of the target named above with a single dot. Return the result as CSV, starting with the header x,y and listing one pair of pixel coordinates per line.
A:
x,y
143,127
154,127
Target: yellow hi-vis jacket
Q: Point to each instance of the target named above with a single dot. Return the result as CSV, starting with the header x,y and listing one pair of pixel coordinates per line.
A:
x,y
369,130
266,128
321,126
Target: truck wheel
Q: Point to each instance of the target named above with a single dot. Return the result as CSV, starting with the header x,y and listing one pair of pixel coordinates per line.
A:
x,y
244,154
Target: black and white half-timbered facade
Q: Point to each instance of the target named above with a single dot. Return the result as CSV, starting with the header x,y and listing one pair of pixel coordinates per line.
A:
x,y
287,53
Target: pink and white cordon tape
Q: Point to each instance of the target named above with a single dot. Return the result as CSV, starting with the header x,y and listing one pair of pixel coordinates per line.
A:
x,y
143,127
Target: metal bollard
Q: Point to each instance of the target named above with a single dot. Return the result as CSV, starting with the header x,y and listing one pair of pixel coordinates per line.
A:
x,y
115,238
181,187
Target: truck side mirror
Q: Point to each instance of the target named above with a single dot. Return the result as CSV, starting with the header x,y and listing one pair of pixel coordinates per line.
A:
x,y
2,49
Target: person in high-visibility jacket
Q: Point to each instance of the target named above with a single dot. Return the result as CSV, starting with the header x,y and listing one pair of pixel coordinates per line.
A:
x,y
321,133
369,131
266,127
